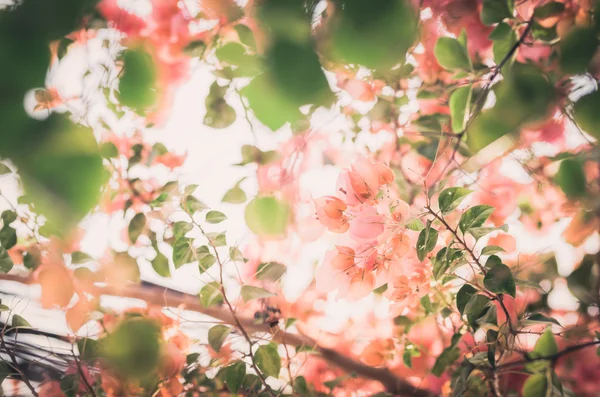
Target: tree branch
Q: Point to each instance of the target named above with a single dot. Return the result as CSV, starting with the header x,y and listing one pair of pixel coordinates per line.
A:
x,y
164,297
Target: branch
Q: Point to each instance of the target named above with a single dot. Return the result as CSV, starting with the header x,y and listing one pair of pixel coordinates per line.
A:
x,y
163,297
16,364
552,358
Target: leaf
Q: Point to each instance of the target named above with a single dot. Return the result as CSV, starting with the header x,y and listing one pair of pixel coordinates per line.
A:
x,y
3,308
183,252
5,371
479,232
501,31
476,307
270,271
491,249
79,257
246,36
529,284
205,258
232,52
375,34
234,374
415,224
18,321
571,178
215,217
448,356
474,217
539,317
586,115
451,54
267,216
464,296
546,345
160,264
217,335
492,261
89,349
180,229
535,386
460,103
426,303
301,387
451,198
235,195
69,385
4,169
426,242
495,11
217,239
499,279
136,225
268,360
137,83
9,216
6,263
210,295
133,348
219,114
577,50
193,205
250,292
503,46
8,237
549,10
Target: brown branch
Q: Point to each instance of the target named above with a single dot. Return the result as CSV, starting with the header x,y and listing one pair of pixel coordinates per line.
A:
x,y
552,358
15,364
161,296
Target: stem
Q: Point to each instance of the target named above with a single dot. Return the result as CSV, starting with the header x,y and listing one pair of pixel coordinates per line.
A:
x,y
552,358
16,365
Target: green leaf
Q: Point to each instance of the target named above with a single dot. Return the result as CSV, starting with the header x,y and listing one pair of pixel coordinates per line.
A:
x,y
205,258
250,292
535,386
18,321
183,252
232,53
452,55
79,257
270,271
246,36
6,264
235,195
426,242
217,239
549,10
160,264
476,307
460,103
69,385
415,224
586,114
426,303
539,317
8,237
234,374
215,217
380,290
210,295
180,229
501,31
499,279
495,11
464,296
479,232
4,169
267,216
268,360
3,308
448,356
544,34
491,249
217,335
137,83
9,216
577,50
136,226
501,47
193,205
219,114
451,198
492,261
5,371
376,33
301,387
133,348
89,349
571,178
546,345
474,217
235,254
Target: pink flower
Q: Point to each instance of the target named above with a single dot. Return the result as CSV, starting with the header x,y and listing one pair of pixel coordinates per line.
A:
x,y
366,224
330,211
170,160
